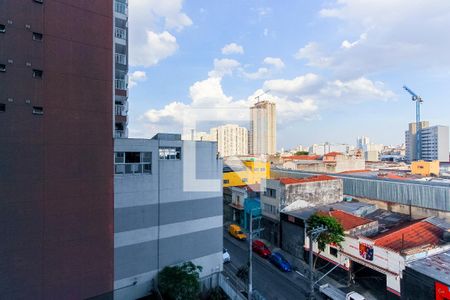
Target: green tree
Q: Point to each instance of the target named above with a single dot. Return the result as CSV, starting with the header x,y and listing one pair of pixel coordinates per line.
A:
x,y
180,282
301,153
333,235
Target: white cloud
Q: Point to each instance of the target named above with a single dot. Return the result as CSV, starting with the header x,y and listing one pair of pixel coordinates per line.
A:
x,y
156,48
135,77
232,48
396,37
224,66
261,73
273,64
150,23
348,45
313,54
356,91
266,32
274,61
297,86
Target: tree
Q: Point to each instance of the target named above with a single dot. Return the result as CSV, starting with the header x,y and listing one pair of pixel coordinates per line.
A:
x,y
333,235
301,153
180,282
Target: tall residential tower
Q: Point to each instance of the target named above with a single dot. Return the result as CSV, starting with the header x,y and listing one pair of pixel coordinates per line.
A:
x,y
120,68
434,142
263,128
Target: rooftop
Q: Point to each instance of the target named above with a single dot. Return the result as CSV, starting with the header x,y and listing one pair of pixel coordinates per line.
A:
x,y
302,157
347,220
416,235
289,180
333,154
435,266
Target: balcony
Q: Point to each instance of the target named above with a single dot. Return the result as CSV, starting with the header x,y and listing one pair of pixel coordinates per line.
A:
x,y
120,33
120,133
121,84
120,110
121,59
121,8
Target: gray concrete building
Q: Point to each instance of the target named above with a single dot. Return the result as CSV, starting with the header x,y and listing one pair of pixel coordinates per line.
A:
x,y
287,194
434,142
167,210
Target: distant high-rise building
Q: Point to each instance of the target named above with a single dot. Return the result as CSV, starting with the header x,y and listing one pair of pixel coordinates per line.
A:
x,y
231,139
434,142
56,144
361,141
120,68
263,128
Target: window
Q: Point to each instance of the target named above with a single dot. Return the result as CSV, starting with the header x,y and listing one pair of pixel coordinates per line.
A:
x,y
226,181
38,110
2,28
133,162
37,36
37,73
170,153
244,180
119,157
333,251
132,157
270,193
2,107
262,169
2,68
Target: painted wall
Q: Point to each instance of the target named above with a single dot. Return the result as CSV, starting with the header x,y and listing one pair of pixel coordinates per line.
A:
x,y
56,182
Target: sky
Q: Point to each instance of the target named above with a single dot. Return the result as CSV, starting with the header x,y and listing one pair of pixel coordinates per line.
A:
x,y
334,68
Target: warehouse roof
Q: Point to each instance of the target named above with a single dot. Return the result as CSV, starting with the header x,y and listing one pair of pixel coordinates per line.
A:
x,y
435,266
416,235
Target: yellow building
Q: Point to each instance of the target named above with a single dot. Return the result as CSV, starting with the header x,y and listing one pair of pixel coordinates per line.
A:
x,y
425,168
246,172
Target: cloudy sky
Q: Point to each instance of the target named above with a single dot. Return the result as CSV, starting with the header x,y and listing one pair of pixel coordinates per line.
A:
x,y
334,68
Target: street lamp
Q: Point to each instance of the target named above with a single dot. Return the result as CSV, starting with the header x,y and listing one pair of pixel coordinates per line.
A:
x,y
313,234
250,255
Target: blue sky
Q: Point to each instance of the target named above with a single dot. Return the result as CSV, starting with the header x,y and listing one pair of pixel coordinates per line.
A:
x,y
334,68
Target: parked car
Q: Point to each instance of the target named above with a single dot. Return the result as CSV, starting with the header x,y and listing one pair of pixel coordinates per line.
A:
x,y
280,262
236,232
261,248
226,256
334,293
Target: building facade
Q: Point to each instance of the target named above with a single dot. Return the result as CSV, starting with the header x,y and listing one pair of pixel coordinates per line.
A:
x,y
434,142
56,175
120,68
231,140
160,217
245,172
263,128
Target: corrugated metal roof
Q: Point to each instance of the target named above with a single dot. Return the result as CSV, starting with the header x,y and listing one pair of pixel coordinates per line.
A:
x,y
435,266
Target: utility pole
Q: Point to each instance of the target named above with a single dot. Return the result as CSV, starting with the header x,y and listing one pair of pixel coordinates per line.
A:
x,y
250,255
313,234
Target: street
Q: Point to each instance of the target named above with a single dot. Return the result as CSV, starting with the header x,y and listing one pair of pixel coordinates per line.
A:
x,y
267,279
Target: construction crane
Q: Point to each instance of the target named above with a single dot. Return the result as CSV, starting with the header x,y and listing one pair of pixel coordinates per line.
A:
x,y
262,94
418,101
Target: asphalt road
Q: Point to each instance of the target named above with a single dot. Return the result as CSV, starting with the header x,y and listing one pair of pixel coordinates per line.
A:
x,y
267,279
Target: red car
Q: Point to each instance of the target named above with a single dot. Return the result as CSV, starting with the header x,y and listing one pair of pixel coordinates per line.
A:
x,y
261,248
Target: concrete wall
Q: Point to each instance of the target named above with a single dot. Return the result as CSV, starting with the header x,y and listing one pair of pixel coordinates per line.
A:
x,y
161,220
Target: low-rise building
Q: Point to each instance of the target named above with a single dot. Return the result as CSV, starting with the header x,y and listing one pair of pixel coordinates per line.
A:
x,y
427,278
333,162
167,210
287,194
386,254
425,168
245,172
